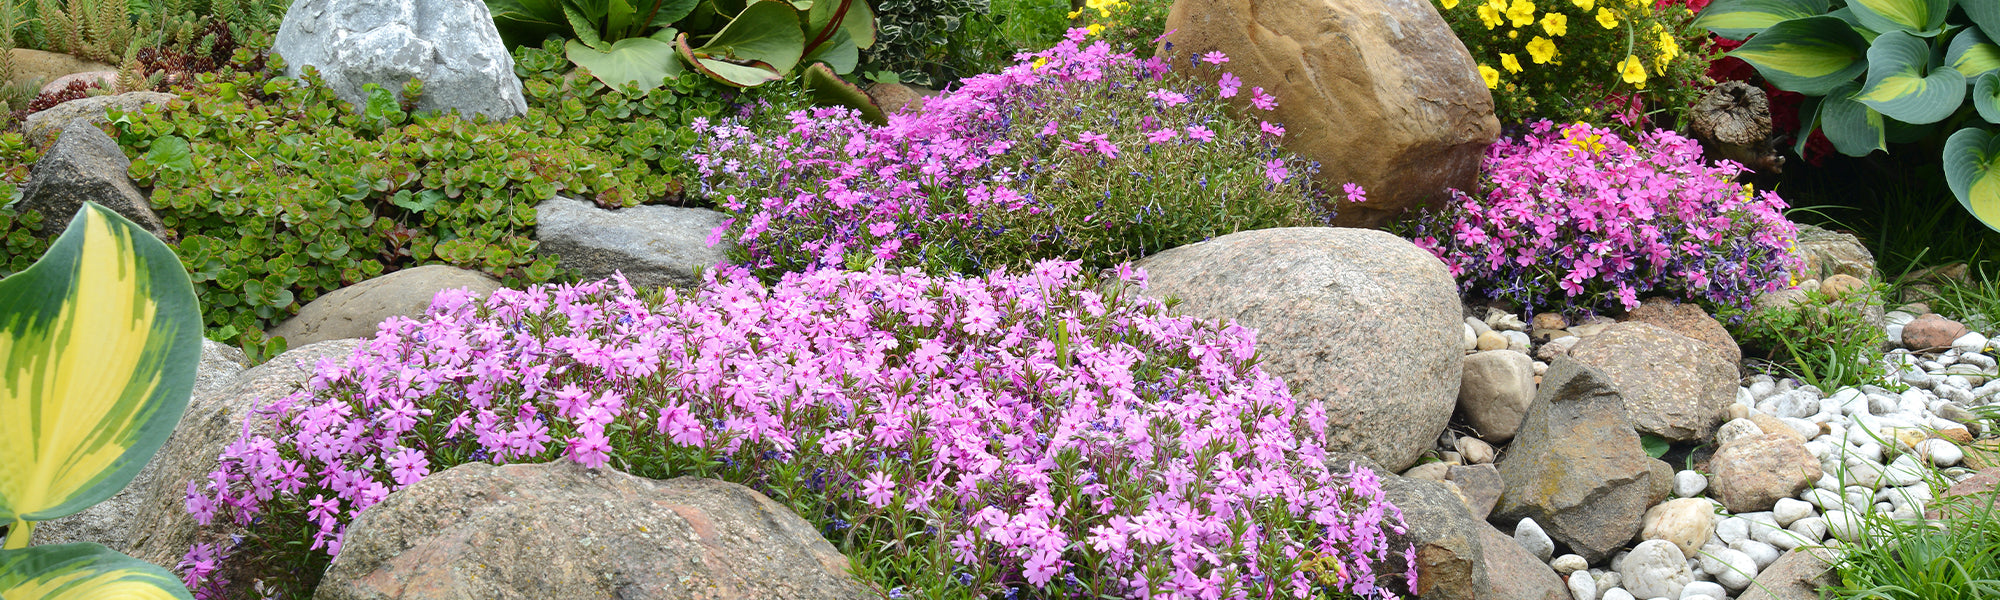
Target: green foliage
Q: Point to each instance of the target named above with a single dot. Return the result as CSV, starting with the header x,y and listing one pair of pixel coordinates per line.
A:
x,y
1134,24
933,43
1884,71
1597,61
1027,24
1953,558
646,42
1823,340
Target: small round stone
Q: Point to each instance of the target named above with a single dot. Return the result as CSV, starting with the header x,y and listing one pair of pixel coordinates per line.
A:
x,y
1688,484
1568,563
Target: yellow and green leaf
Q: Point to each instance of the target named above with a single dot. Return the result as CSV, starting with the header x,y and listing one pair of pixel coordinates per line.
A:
x,y
1809,56
1738,19
98,346
83,572
1973,54
1923,18
1972,169
1899,86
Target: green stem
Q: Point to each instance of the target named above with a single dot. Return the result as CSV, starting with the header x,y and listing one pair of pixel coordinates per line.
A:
x,y
18,534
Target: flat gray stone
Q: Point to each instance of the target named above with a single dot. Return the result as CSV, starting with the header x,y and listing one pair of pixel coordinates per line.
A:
x,y
653,246
356,310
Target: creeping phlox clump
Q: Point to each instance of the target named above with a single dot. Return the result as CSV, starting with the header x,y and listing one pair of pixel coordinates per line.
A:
x,y
1577,219
1017,433
1078,152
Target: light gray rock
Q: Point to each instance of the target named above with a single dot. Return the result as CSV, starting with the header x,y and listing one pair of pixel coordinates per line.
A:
x,y
1568,563
1970,342
84,165
1616,594
1674,387
1531,537
451,46
1358,319
42,127
1688,484
1494,393
1582,586
1788,510
459,534
1703,589
1733,568
1655,569
1759,552
654,246
355,311
1736,429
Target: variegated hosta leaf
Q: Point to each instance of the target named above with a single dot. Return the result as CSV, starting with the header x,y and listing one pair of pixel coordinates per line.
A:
x,y
1919,17
1738,19
83,572
1985,15
1972,169
98,346
1902,87
1986,96
1972,53
1853,127
1809,56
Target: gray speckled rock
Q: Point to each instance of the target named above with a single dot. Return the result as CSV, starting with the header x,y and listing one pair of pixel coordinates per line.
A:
x,y
652,245
355,311
110,522
1798,575
1577,467
449,45
1356,318
1511,572
42,127
460,534
1674,387
1496,390
84,164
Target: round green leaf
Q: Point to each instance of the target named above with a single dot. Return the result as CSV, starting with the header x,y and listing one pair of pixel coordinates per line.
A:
x,y
1920,17
1810,56
645,61
1986,96
1972,169
1972,53
1738,19
1853,127
1898,86
84,572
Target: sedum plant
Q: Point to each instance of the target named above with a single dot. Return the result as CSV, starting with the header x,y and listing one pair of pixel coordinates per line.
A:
x,y
99,342
1883,71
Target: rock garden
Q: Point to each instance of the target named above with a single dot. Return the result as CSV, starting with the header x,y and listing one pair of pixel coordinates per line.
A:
x,y
1000,299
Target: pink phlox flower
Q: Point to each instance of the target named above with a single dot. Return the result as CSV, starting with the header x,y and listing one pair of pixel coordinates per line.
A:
x,y
1262,100
1214,57
1227,86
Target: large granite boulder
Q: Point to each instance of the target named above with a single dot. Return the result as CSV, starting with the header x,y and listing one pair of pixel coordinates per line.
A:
x,y
449,45
42,127
1577,467
1380,92
83,165
1691,321
1358,319
110,522
355,311
652,245
1674,386
558,530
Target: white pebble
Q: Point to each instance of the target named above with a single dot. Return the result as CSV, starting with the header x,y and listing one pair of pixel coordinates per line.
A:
x,y
1732,568
1845,526
1616,594
1606,579
1942,453
1761,553
1656,568
1732,530
1569,563
1788,510
1810,529
1582,586
1529,534
1688,484
1703,589
1823,499
1970,342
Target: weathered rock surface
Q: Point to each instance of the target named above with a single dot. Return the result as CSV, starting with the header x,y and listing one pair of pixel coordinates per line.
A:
x,y
110,522
1450,562
1379,92
653,246
1798,575
1577,467
41,128
468,532
1831,253
1358,319
1686,522
37,65
1751,474
1691,321
1495,391
1674,387
84,165
355,311
1511,572
451,46
1480,485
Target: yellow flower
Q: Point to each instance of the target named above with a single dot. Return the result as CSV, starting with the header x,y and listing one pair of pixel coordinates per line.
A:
x,y
1039,61
1491,76
1449,4
1513,65
1589,143
1541,49
1584,4
1104,12
1557,24
1489,16
1522,12
1514,34
1633,71
1605,18
1074,13
1095,28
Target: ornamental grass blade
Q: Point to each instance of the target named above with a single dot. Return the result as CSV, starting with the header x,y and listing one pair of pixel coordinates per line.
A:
x,y
98,346
84,572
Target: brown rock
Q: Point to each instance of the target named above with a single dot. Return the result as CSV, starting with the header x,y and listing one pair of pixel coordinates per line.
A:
x,y
1957,435
1494,393
1798,575
1691,321
1971,496
1686,522
1379,92
898,97
36,66
1982,454
1752,473
355,311
1841,285
1577,468
1932,331
1358,319
1770,424
472,532
1511,572
1449,556
1674,387
1481,485
1549,321
1830,253
1491,341
41,128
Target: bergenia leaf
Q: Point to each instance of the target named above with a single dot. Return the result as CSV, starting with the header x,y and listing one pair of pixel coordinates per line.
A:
x,y
669,12
581,26
761,44
1901,85
1972,169
837,52
1924,18
98,345
1738,19
84,572
1809,56
646,61
828,89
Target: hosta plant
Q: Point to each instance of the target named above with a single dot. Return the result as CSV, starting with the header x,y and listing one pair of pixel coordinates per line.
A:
x,y
1885,71
98,346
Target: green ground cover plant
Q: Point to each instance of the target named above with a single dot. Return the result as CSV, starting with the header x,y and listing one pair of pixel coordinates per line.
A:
x,y
1822,340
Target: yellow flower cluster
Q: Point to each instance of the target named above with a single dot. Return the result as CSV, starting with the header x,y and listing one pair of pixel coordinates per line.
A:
x,y
1103,8
1539,65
